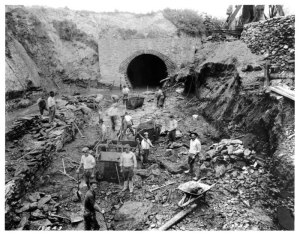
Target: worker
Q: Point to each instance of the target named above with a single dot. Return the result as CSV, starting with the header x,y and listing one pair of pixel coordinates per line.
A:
x,y
90,208
194,151
113,113
128,166
145,144
88,162
161,100
128,123
172,128
125,92
102,131
42,105
138,148
158,94
51,107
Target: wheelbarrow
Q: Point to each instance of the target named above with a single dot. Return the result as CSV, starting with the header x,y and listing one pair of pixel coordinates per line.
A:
x,y
193,191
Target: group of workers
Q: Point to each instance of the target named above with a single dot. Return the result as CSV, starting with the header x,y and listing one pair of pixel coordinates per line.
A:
x,y
128,158
49,106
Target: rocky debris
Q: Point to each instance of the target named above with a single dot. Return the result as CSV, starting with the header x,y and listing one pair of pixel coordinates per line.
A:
x,y
131,215
274,37
44,139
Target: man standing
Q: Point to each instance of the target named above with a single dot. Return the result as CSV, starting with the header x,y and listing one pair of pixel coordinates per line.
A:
x,y
102,131
172,128
89,163
128,166
51,107
194,151
145,144
42,104
128,123
90,208
158,94
125,92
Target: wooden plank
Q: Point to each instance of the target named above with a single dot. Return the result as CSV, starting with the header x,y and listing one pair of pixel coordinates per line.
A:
x,y
178,217
282,92
267,73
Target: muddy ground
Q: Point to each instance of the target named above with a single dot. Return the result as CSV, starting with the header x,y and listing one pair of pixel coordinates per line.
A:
x,y
244,198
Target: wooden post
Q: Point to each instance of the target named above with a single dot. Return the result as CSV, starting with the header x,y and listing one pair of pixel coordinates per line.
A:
x,y
267,74
178,217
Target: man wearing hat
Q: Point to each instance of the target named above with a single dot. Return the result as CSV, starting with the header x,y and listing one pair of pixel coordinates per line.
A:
x,y
145,145
88,162
128,165
90,208
194,151
172,128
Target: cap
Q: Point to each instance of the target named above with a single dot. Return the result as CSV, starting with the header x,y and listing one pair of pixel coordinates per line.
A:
x,y
93,181
127,146
85,149
146,133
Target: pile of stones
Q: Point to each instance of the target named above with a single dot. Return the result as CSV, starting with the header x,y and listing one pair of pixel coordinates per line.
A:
x,y
274,38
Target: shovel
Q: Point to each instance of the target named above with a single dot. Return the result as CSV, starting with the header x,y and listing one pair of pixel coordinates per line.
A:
x,y
82,136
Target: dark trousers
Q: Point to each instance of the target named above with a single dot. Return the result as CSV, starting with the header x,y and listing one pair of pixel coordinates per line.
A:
x,y
87,176
42,109
172,135
127,173
113,122
125,98
90,221
144,156
191,161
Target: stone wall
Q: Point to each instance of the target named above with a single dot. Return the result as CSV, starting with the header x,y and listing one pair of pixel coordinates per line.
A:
x,y
275,37
116,54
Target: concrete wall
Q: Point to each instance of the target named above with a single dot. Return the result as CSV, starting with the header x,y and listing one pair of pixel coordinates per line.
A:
x,y
275,37
115,54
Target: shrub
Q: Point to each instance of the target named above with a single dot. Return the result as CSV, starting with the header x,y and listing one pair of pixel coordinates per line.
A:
x,y
186,21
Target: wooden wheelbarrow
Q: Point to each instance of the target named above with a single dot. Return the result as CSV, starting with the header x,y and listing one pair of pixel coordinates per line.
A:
x,y
193,191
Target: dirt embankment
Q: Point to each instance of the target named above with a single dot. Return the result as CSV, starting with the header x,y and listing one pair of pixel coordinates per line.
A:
x,y
234,99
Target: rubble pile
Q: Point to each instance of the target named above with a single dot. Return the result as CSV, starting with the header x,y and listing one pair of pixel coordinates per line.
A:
x,y
31,160
38,211
275,37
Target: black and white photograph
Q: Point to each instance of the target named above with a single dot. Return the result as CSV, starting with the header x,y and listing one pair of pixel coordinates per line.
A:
x,y
148,116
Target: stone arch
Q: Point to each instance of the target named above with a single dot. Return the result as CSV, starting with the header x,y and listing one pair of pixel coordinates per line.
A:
x,y
171,66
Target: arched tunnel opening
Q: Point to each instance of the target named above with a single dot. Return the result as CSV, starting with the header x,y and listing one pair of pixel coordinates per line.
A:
x,y
146,70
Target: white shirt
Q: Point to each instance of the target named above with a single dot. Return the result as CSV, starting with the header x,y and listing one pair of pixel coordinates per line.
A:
x,y
88,162
51,102
173,124
128,118
128,159
125,90
195,146
146,144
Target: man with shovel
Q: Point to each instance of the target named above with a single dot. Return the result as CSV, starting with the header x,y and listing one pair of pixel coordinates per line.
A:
x,y
89,163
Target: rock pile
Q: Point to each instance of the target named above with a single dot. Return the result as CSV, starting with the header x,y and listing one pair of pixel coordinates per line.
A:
x,y
45,140
275,37
39,211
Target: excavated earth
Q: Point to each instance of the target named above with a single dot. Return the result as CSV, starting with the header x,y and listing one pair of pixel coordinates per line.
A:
x,y
247,195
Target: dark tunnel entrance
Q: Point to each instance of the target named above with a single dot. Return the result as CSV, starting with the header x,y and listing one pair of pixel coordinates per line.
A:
x,y
146,70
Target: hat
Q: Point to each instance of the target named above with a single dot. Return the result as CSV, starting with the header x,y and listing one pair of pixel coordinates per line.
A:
x,y
146,133
85,149
171,116
93,181
127,146
193,133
